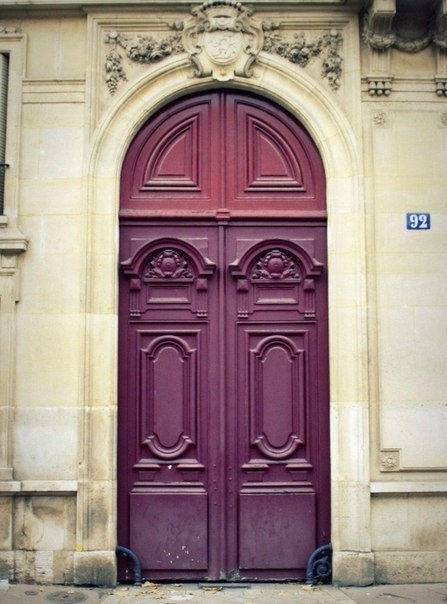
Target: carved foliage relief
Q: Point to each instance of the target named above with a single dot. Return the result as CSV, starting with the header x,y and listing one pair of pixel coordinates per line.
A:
x,y
140,48
275,265
222,39
168,264
301,51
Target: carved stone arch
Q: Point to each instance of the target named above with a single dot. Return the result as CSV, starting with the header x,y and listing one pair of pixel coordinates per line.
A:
x,y
338,142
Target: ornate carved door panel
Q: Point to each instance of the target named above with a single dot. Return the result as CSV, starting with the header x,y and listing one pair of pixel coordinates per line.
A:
x,y
223,410
277,389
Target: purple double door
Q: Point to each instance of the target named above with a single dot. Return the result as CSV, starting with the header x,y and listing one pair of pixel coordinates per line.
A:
x,y
223,445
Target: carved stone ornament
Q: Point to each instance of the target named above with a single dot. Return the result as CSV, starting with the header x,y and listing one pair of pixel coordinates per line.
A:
x,y
379,118
441,85
301,51
384,27
141,49
223,40
6,29
379,85
390,460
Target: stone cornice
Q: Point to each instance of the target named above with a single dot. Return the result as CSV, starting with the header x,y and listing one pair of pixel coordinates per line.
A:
x,y
12,241
86,4
385,27
10,8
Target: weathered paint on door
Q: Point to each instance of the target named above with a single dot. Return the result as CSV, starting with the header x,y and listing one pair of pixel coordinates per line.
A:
x,y
223,399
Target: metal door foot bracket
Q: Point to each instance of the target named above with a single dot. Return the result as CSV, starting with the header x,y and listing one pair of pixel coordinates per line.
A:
x,y
319,565
136,562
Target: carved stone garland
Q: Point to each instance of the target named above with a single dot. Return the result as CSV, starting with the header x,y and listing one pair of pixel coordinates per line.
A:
x,y
223,40
301,51
141,49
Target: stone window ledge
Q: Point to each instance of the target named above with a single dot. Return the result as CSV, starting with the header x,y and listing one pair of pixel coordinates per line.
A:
x,y
408,487
38,487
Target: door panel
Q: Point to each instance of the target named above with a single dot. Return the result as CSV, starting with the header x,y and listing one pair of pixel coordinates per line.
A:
x,y
171,160
277,530
276,377
224,454
279,399
165,394
223,370
169,531
223,150
168,373
276,163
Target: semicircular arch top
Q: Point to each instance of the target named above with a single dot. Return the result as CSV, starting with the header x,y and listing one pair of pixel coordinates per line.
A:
x,y
174,164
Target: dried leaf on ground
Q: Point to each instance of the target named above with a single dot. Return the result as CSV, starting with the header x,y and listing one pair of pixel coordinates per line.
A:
x,y
310,587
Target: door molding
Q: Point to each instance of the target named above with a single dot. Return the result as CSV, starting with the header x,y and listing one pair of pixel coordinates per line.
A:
x,y
338,144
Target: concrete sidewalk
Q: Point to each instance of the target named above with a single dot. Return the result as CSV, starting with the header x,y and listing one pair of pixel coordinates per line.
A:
x,y
250,593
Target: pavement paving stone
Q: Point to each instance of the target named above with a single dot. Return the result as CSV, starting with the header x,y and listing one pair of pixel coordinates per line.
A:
x,y
426,593
253,593
246,594
50,594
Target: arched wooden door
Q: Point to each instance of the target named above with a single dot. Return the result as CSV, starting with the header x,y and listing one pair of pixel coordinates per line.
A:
x,y
223,353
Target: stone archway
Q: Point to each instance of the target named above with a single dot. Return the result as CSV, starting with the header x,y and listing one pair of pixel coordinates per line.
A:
x,y
337,144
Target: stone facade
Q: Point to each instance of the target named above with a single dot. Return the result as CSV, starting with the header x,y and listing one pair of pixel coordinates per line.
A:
x,y
369,82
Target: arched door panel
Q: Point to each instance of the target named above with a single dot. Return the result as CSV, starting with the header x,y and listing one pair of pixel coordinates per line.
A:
x,y
230,151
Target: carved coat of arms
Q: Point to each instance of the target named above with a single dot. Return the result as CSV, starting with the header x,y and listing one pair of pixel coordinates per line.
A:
x,y
222,39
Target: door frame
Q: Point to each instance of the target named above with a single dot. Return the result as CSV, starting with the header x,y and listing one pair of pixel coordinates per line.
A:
x,y
338,143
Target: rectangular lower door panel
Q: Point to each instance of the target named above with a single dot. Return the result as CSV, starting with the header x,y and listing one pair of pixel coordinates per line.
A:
x,y
277,530
170,530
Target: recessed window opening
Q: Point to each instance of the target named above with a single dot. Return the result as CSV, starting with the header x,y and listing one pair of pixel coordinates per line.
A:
x,y
4,67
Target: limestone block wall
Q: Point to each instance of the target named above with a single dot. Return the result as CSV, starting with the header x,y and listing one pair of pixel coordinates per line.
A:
x,y
49,334
410,148
45,197
405,134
